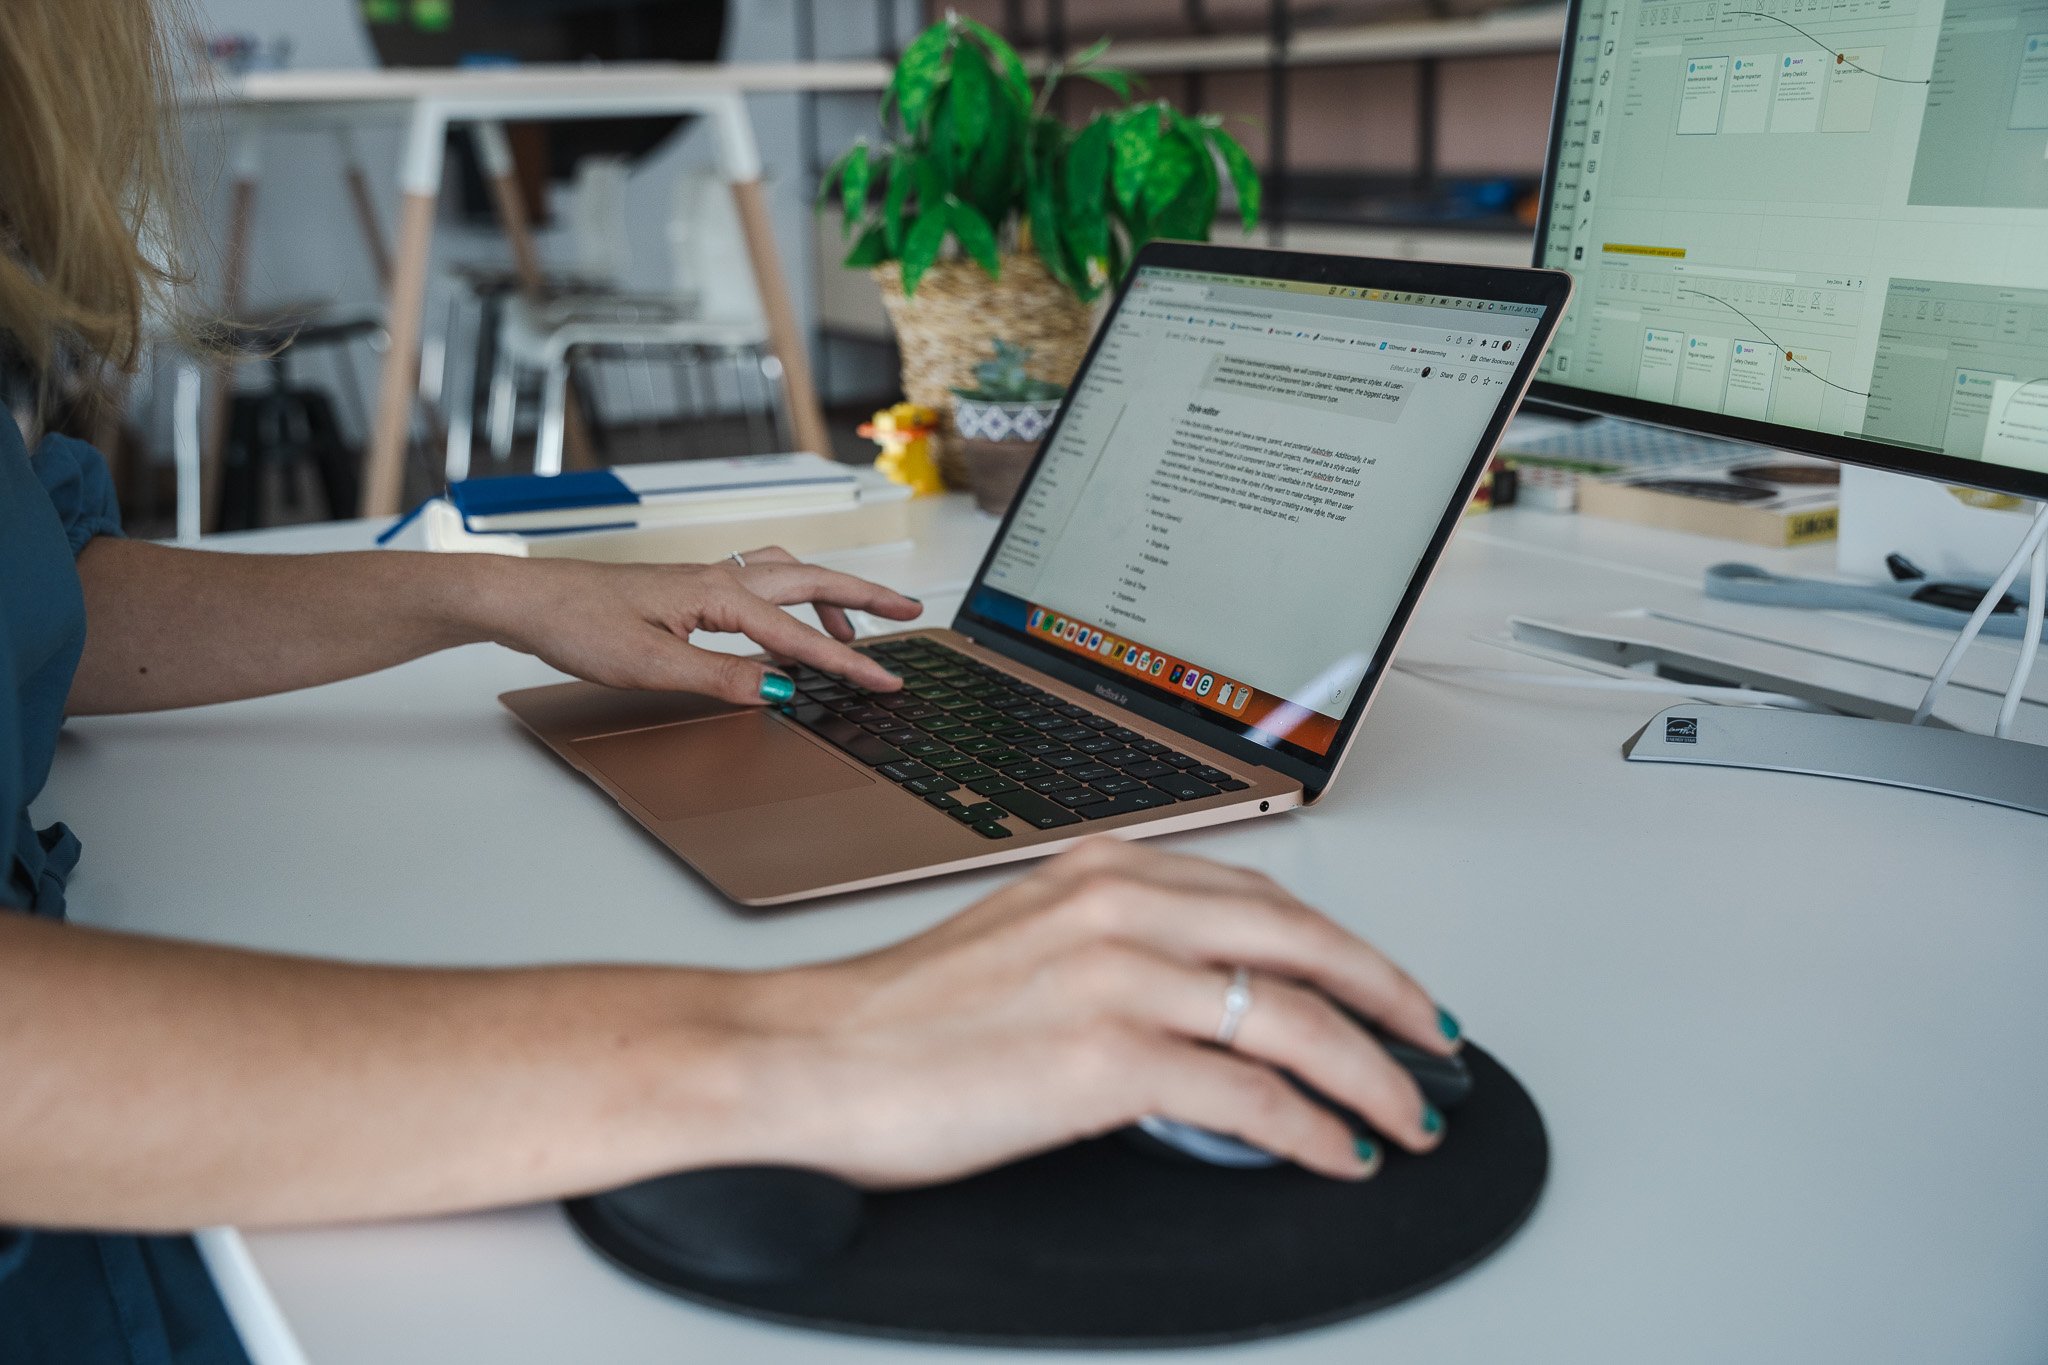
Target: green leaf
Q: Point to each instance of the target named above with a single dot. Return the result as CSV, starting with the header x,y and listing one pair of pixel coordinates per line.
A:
x,y
992,179
1134,136
1045,235
831,177
1006,57
919,72
1085,224
1091,53
921,248
1171,168
904,170
871,249
853,186
1189,214
1189,217
971,97
1243,175
977,238
931,183
1088,166
1087,162
1117,81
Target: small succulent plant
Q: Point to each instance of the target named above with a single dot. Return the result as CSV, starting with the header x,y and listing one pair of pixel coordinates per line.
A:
x,y
1003,379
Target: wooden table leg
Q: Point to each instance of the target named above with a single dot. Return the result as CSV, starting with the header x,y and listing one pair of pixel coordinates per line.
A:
x,y
785,337
366,216
504,182
371,228
234,272
384,484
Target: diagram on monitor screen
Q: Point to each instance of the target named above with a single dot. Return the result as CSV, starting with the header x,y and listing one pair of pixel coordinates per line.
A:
x,y
1825,214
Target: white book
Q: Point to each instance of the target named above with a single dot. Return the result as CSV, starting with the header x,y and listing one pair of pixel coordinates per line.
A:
x,y
653,494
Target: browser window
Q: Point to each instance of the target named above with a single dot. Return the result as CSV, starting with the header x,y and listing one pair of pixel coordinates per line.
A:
x,y
1244,483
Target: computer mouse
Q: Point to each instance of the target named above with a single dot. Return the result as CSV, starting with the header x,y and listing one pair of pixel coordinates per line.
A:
x,y
738,1224
1445,1082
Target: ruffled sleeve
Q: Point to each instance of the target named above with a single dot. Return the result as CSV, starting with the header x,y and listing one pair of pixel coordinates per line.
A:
x,y
80,488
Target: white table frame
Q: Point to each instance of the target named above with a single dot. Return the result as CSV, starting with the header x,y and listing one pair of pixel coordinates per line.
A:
x,y
430,102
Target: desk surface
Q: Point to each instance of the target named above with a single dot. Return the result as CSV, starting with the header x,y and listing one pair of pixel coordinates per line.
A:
x,y
1782,1028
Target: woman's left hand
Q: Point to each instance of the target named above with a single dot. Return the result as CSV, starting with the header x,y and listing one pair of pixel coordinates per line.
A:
x,y
629,625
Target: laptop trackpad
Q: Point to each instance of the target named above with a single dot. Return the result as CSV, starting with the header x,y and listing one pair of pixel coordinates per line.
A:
x,y
723,763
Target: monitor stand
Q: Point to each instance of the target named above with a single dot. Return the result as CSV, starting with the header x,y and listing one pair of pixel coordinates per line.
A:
x,y
1999,772
1996,771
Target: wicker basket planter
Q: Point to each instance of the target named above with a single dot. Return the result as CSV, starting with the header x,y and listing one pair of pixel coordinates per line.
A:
x,y
945,328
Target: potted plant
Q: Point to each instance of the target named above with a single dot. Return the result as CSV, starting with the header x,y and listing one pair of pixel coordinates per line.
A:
x,y
985,213
999,422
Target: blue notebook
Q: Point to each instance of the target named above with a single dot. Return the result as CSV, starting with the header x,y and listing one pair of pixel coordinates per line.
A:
x,y
652,494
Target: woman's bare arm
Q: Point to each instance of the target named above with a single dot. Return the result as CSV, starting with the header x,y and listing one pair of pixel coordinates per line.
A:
x,y
171,627
154,1085
147,1085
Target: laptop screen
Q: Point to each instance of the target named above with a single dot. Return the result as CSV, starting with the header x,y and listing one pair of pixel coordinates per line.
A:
x,y
1245,481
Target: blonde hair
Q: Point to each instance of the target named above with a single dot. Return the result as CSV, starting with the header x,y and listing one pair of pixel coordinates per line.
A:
x,y
86,174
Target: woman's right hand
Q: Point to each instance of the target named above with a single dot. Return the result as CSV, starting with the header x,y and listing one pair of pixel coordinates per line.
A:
x,y
1070,1003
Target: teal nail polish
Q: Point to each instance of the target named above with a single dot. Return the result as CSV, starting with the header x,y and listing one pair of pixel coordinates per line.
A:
x,y
775,687
1447,1025
1367,1152
1432,1119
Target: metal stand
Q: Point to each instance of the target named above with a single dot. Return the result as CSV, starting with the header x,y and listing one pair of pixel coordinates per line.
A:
x,y
1998,772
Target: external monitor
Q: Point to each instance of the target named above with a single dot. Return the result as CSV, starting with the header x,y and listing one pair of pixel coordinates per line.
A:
x,y
1817,226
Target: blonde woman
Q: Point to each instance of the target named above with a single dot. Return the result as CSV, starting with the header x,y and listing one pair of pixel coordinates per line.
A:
x,y
148,1087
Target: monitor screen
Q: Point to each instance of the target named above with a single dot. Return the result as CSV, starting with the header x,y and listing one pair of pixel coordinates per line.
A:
x,y
1244,483
1818,225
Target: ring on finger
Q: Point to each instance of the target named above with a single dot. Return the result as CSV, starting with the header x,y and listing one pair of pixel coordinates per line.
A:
x,y
738,558
1237,1003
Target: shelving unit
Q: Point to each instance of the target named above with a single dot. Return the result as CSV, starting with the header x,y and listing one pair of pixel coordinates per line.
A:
x,y
1507,33
1281,47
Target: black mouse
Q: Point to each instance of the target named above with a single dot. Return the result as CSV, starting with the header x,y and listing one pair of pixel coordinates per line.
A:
x,y
737,1224
1445,1082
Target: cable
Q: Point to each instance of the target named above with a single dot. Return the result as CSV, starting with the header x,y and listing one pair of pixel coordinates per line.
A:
x,y
1796,364
1661,686
2028,544
2037,603
1841,58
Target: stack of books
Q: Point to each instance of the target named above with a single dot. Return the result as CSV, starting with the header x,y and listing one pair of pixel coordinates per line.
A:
x,y
1630,472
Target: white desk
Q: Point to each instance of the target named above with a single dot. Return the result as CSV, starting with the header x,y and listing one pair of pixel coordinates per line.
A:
x,y
1785,1031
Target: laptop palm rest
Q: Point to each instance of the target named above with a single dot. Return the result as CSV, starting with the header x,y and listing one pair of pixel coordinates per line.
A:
x,y
721,763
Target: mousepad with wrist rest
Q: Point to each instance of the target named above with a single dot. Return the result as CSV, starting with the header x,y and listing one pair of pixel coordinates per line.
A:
x,y
1104,1245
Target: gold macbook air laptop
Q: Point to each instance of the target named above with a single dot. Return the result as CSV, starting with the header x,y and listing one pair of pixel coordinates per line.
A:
x,y
1180,622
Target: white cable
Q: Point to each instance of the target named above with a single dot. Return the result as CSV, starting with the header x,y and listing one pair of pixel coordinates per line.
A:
x,y
2037,606
2028,544
1596,683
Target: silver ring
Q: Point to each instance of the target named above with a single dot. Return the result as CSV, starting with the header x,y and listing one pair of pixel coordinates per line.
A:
x,y
738,558
1237,1003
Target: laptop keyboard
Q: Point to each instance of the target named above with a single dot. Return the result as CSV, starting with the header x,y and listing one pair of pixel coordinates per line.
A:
x,y
989,749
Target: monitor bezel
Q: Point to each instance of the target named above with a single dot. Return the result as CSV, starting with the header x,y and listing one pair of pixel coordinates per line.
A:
x,y
1548,289
1856,450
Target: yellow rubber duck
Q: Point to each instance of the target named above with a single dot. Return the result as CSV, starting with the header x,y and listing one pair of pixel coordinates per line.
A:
x,y
904,432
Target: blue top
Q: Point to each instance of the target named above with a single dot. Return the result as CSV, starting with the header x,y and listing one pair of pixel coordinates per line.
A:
x,y
74,1298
